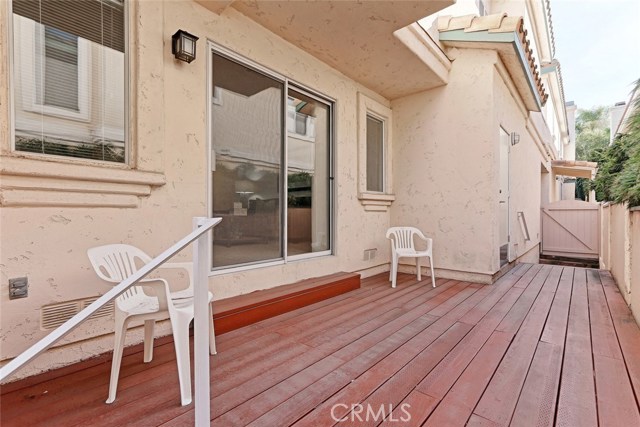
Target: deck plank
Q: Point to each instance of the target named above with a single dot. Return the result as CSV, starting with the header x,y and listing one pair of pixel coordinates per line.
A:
x,y
334,377
616,402
604,340
427,343
241,385
501,396
320,416
538,399
346,347
626,329
458,404
542,340
615,398
438,382
555,330
414,409
577,400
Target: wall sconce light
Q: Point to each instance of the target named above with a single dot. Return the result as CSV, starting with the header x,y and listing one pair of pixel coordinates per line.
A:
x,y
515,138
183,46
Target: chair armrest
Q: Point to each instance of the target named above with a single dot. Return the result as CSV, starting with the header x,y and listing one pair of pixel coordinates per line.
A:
x,y
429,240
188,266
158,288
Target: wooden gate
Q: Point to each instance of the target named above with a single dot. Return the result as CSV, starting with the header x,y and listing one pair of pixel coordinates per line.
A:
x,y
571,228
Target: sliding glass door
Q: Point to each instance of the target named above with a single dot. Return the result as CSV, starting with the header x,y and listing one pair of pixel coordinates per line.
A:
x,y
308,168
271,167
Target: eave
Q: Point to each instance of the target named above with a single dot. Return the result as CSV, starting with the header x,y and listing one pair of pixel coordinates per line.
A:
x,y
575,168
374,43
507,37
556,89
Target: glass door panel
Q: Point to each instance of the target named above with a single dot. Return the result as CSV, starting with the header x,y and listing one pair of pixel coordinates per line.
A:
x,y
247,122
308,185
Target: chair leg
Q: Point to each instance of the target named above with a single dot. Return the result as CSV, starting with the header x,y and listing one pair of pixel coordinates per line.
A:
x,y
180,329
118,347
418,270
394,271
148,340
212,332
433,276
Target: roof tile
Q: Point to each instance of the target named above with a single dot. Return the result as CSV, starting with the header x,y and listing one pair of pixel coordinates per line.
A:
x,y
497,23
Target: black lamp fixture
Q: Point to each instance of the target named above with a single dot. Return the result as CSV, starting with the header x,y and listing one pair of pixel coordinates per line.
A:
x,y
183,46
515,138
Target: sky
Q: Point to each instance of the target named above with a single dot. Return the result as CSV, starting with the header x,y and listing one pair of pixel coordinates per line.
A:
x,y
598,46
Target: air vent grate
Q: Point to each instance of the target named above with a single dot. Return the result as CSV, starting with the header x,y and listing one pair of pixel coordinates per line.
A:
x,y
54,315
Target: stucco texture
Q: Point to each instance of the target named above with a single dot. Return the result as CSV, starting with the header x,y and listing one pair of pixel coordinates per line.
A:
x,y
168,129
447,145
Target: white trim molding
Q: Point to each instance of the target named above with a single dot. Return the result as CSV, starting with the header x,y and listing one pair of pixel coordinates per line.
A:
x,y
34,182
374,201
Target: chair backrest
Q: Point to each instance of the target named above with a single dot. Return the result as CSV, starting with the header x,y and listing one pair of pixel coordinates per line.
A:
x,y
402,237
114,263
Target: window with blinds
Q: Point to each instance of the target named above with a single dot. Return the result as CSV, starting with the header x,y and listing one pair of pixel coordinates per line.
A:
x,y
69,78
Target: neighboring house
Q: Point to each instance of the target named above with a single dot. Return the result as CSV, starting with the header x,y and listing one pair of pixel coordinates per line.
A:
x,y
616,114
309,127
568,189
619,114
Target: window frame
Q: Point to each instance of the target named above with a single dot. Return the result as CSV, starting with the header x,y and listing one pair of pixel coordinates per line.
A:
x,y
82,115
383,155
375,200
215,48
84,80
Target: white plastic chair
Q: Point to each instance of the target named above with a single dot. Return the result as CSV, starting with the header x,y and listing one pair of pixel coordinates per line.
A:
x,y
402,246
149,302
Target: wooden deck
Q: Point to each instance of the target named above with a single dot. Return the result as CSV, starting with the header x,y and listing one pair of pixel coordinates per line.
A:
x,y
544,345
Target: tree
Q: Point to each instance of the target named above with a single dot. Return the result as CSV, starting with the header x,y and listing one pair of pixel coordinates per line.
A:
x,y
592,138
626,184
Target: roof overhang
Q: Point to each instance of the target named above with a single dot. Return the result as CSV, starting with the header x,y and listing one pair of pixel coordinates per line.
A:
x,y
360,39
507,37
556,90
575,168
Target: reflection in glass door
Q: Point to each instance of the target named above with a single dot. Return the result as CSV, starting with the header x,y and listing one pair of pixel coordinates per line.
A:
x,y
271,172
247,139
308,168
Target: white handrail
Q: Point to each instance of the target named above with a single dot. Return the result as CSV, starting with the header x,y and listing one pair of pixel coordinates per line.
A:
x,y
523,226
204,225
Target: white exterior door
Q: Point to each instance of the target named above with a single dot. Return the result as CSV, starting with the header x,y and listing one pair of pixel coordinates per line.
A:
x,y
503,198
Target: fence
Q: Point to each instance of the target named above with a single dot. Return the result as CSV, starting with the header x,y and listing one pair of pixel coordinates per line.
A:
x,y
620,251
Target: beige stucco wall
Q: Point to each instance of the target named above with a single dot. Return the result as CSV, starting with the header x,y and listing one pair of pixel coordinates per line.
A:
x,y
444,154
48,244
446,146
605,235
446,141
524,167
621,251
619,248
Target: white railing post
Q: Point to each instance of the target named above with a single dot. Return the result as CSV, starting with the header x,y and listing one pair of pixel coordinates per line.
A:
x,y
201,328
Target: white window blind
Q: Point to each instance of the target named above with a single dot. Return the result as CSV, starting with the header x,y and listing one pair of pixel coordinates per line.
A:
x,y
69,78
